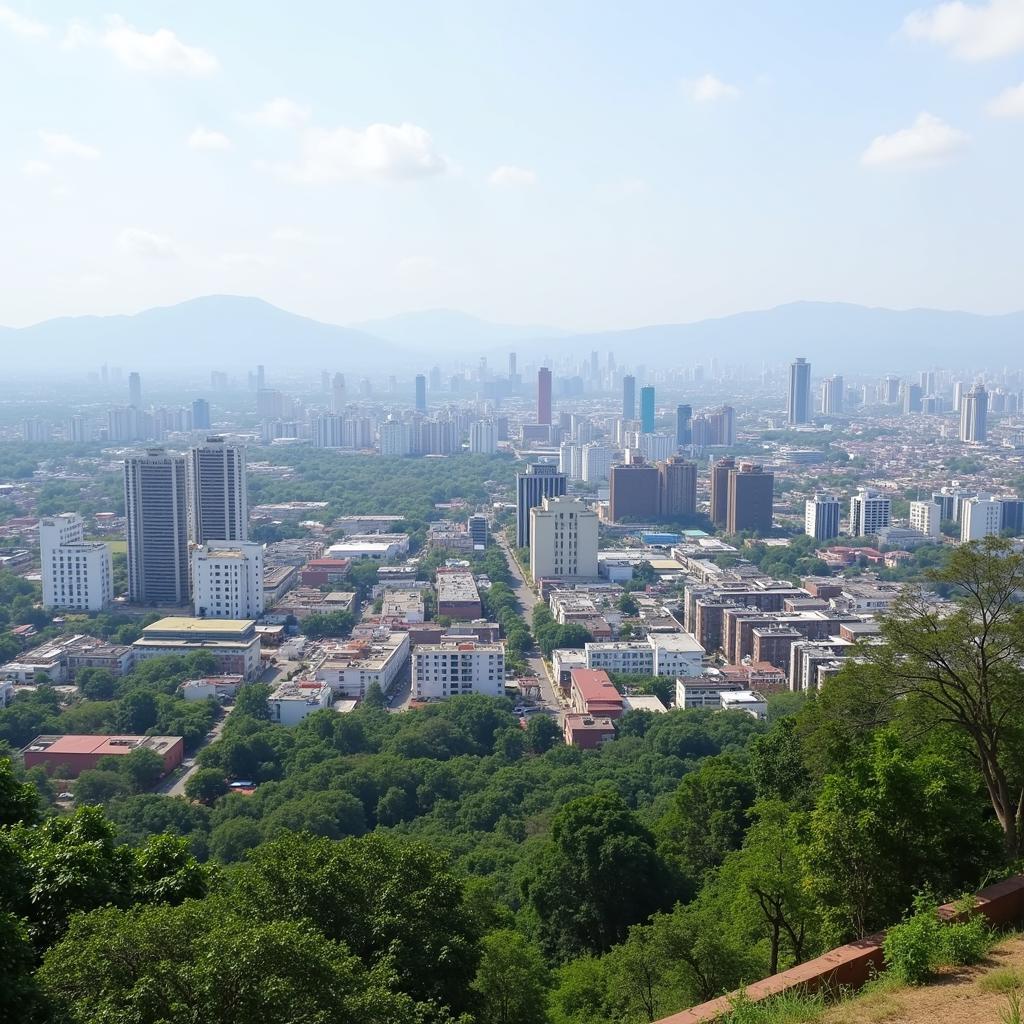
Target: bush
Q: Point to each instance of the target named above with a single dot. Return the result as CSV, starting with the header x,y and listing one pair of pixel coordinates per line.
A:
x,y
914,948
966,942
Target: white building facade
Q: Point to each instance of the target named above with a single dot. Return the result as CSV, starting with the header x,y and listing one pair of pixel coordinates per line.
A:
x,y
981,517
563,535
76,573
227,580
452,669
869,512
926,516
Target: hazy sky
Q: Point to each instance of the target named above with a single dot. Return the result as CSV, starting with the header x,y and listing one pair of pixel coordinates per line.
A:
x,y
580,164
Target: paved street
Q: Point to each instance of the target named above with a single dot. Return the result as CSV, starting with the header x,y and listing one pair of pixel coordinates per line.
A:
x,y
174,785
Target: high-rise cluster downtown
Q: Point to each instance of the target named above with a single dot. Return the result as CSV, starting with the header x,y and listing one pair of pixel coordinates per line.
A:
x,y
183,505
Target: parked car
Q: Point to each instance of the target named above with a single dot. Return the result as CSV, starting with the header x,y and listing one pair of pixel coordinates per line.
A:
x,y
65,796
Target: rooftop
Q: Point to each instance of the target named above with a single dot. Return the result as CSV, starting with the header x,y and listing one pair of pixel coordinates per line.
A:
x,y
100,744
188,624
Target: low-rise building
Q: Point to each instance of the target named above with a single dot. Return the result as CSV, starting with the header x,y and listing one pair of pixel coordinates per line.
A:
x,y
292,701
218,687
457,595
643,702
745,700
402,605
325,572
352,666
705,691
277,581
305,601
587,732
592,693
377,546
451,669
660,654
68,756
233,643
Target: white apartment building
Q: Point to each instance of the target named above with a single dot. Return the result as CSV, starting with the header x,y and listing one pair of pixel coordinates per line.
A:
x,y
821,517
661,654
218,504
869,512
451,669
483,437
350,667
926,516
227,580
395,438
563,534
981,517
597,463
76,573
704,692
292,701
570,460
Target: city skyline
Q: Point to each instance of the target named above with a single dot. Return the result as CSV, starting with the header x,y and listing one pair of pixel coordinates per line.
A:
x,y
246,157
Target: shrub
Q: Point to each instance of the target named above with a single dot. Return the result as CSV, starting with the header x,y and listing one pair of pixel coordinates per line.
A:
x,y
966,942
914,948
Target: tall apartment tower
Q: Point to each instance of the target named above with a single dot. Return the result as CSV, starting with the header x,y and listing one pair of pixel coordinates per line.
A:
x,y
338,393
597,463
647,409
544,396
869,512
156,503
633,491
629,397
821,517
227,580
512,372
750,499
974,415
926,516
135,390
677,487
421,393
832,396
564,539
684,425
200,414
720,491
541,480
77,573
799,391
982,517
218,505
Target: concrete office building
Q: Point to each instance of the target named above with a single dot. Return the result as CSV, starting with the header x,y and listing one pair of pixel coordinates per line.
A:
x,y
395,438
629,398
597,463
677,487
328,431
483,437
720,491
233,643
227,580
684,425
563,534
541,480
200,414
633,491
156,504
544,396
799,410
832,396
421,393
926,516
218,502
135,390
981,517
869,512
476,525
821,517
751,499
647,409
451,669
77,574
974,415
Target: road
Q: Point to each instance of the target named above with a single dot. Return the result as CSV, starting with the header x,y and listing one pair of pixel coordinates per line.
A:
x,y
174,785
528,598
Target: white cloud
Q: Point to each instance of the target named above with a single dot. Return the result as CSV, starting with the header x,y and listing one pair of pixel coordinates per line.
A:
x,y
279,113
147,244
394,152
709,88
58,144
20,25
1009,103
242,259
928,141
292,235
36,169
971,31
161,51
509,174
205,138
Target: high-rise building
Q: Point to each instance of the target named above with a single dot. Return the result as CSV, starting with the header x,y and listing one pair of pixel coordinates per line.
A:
x,y
958,395
911,397
684,425
981,517
633,491
328,431
677,487
135,390
869,512
647,409
421,393
476,527
629,397
200,414
563,535
483,437
832,396
821,517
597,463
77,573
395,438
720,491
570,460
156,504
541,480
217,498
974,415
926,516
1012,520
891,390
512,373
544,396
338,393
751,499
799,391
227,580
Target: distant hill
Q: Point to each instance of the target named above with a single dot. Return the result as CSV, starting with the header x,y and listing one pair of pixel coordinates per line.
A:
x,y
451,332
835,336
215,331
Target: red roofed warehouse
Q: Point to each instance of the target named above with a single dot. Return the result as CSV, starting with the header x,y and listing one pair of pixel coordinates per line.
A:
x,y
72,755
592,693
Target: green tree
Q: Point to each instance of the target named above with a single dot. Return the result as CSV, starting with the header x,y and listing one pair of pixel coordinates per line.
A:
x,y
142,769
252,701
375,696
542,733
20,999
19,801
96,684
511,981
206,785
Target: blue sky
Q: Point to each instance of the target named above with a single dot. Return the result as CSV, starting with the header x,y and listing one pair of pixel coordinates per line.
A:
x,y
579,164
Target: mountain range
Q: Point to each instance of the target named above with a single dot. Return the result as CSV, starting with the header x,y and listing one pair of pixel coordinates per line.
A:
x,y
215,331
